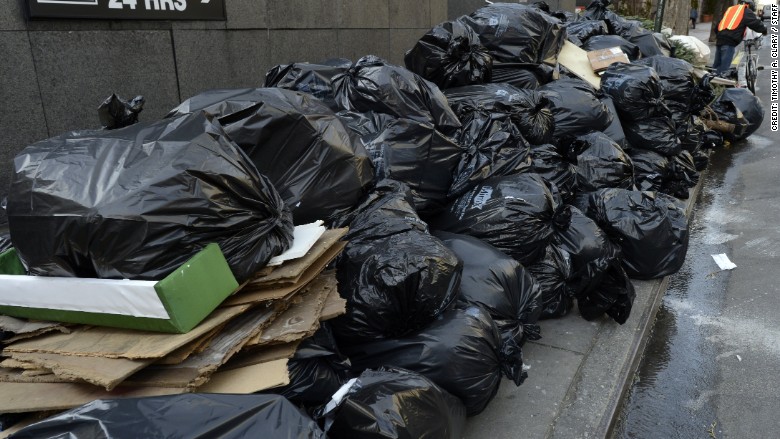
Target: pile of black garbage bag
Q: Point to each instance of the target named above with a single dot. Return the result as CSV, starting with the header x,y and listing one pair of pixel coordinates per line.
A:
x,y
485,187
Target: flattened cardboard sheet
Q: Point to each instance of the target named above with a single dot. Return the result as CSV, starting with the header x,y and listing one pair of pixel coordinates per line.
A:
x,y
254,294
22,328
576,60
249,379
291,272
34,397
104,372
196,370
302,318
335,305
122,343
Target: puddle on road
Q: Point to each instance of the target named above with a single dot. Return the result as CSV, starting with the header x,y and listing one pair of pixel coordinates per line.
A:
x,y
673,393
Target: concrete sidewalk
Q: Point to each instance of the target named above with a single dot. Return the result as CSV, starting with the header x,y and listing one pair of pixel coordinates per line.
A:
x,y
579,370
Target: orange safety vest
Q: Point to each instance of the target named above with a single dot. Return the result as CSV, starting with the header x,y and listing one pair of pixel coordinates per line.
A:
x,y
732,18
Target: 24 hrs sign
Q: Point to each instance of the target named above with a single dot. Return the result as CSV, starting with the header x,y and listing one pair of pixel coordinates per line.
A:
x,y
129,9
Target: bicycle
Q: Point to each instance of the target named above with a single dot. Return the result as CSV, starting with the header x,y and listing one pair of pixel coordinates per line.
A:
x,y
747,63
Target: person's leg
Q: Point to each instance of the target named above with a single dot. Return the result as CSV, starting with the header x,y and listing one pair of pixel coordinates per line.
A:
x,y
726,56
716,61
694,22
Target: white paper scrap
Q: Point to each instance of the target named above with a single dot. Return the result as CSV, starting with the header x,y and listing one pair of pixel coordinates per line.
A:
x,y
724,262
304,238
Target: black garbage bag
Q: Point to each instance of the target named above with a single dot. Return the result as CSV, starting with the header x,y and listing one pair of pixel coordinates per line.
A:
x,y
115,112
576,109
590,252
651,170
395,276
5,240
671,175
690,131
298,142
738,106
682,175
372,84
601,163
494,147
620,26
598,42
392,403
516,214
636,91
594,259
450,55
657,134
650,228
461,351
522,75
579,31
650,44
554,168
615,129
614,296
189,415
529,110
317,370
137,202
8,420
313,79
518,33
553,272
712,140
499,284
411,152
596,10
676,78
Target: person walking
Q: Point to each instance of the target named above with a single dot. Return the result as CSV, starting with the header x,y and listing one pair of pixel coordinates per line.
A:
x,y
731,30
694,16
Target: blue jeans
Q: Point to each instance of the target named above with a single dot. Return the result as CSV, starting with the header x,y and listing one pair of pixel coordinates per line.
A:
x,y
723,56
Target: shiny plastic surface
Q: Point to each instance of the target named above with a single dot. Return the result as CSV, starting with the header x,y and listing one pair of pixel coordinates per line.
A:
x,y
391,403
450,55
179,417
516,214
499,284
395,276
137,202
298,142
461,351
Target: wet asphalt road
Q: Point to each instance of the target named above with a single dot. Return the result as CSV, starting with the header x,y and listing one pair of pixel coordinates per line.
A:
x,y
711,368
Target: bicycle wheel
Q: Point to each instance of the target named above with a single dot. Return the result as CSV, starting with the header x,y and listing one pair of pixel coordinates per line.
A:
x,y
750,74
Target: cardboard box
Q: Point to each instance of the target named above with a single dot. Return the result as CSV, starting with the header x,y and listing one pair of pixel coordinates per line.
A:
x,y
576,61
175,304
601,59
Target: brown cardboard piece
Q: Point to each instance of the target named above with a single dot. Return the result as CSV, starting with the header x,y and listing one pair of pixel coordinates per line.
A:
x,y
302,318
26,329
122,343
104,372
254,294
263,355
576,61
603,58
33,397
249,379
184,352
335,305
290,272
197,369
18,376
10,363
